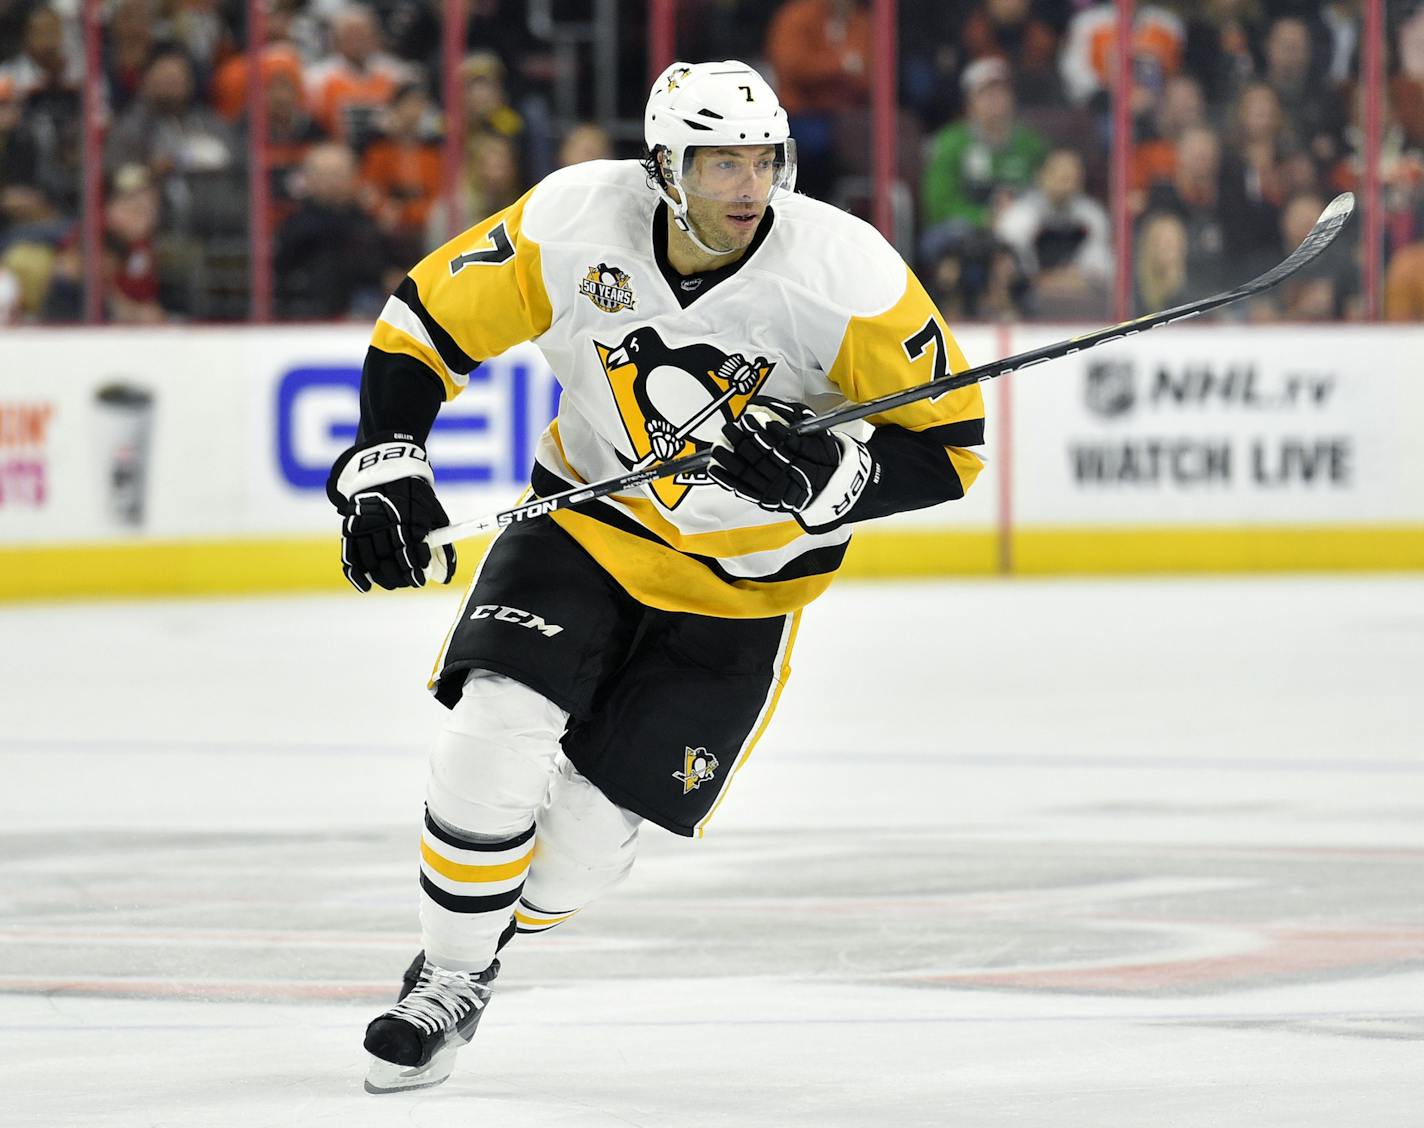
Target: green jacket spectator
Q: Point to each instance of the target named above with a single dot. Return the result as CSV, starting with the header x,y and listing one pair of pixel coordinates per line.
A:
x,y
974,159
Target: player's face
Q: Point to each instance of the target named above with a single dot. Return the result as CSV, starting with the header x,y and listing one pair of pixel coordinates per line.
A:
x,y
727,192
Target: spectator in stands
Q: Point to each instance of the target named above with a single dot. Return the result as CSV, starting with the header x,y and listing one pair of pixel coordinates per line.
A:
x,y
190,151
47,78
1260,142
492,166
1086,63
45,63
130,265
1219,39
280,54
975,277
1406,87
1313,106
347,90
1194,196
412,29
330,260
31,228
1404,285
1154,158
199,28
291,133
976,166
13,18
403,170
1060,236
487,108
26,213
820,51
18,155
1008,29
131,35
1328,291
587,141
1160,280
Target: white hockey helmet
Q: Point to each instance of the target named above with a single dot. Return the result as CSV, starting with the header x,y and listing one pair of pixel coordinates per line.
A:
x,y
727,104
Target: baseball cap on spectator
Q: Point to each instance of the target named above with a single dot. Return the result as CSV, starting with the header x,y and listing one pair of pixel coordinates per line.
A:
x,y
482,64
230,83
983,72
129,178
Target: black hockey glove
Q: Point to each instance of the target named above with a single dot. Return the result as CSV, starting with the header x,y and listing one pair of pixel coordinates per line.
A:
x,y
817,478
386,491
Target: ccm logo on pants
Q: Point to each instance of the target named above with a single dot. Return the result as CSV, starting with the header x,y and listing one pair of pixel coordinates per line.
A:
x,y
515,615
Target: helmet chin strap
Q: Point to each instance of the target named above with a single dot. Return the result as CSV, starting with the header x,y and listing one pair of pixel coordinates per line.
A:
x,y
684,224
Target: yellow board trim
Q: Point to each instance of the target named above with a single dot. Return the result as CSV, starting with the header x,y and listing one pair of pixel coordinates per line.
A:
x,y
456,871
168,568
161,568
1114,551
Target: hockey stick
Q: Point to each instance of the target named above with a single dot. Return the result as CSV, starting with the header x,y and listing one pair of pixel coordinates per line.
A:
x,y
1326,228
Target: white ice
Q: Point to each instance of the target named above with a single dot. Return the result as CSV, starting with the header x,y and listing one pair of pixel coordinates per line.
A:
x,y
1058,854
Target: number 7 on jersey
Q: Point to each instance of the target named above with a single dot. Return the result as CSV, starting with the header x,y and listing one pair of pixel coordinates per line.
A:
x,y
502,251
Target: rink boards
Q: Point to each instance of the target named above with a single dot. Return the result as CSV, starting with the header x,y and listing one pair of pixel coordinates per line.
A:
x,y
194,459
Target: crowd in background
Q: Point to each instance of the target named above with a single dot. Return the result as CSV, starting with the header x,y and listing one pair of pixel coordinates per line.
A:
x,y
1246,119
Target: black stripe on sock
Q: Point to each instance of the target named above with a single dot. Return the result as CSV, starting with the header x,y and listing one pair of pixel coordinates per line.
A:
x,y
457,904
459,842
533,908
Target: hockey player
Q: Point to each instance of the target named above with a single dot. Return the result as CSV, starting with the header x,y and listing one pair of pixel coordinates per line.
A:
x,y
617,662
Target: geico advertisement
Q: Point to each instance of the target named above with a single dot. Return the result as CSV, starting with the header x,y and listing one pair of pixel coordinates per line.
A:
x,y
124,434
308,396
1221,425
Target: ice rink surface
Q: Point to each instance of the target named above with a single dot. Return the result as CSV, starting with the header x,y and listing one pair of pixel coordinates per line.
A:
x,y
1057,854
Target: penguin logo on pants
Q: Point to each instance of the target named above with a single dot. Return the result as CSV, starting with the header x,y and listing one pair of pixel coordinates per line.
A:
x,y
699,766
675,401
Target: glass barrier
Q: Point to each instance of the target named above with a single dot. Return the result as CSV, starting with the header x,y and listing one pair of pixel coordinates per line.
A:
x,y
150,172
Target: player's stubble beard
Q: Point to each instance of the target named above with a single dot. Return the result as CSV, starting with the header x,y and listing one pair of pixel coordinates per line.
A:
x,y
709,219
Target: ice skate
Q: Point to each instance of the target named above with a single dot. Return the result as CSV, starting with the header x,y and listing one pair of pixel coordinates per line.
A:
x,y
413,1045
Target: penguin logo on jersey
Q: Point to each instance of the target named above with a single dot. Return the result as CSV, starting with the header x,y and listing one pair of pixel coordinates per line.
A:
x,y
607,288
699,766
675,401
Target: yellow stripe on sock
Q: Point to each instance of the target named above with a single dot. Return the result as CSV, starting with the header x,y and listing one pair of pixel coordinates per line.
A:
x,y
539,922
457,872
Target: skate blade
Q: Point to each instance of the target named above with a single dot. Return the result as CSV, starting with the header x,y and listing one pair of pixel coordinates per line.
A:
x,y
387,1077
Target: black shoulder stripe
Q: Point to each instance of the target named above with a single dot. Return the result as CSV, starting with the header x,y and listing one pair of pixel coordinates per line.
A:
x,y
455,358
963,433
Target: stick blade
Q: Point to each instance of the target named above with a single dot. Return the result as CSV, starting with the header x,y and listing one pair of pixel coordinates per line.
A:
x,y
1332,220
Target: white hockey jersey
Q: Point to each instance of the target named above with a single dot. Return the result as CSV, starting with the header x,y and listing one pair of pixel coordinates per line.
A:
x,y
820,308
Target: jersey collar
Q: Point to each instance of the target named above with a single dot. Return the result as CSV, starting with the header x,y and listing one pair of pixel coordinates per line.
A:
x,y
688,288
